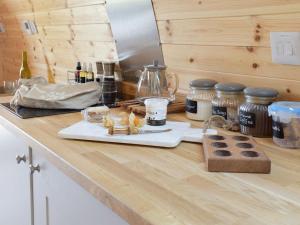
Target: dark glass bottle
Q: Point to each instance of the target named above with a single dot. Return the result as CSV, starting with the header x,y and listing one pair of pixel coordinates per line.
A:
x,y
109,91
254,117
77,72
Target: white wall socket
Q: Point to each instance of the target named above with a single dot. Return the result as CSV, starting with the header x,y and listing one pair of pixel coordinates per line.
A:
x,y
29,27
285,47
2,28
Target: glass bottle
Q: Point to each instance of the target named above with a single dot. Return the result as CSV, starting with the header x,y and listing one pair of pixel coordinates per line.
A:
x,y
90,74
227,102
83,74
198,101
77,72
109,87
25,72
254,116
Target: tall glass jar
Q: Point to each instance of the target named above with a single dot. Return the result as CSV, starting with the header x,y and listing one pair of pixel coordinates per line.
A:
x,y
254,116
227,102
198,101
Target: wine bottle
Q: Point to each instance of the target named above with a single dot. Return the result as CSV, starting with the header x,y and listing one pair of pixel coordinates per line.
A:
x,y
25,71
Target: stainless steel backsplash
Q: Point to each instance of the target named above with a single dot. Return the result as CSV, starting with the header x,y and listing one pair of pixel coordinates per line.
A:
x,y
135,31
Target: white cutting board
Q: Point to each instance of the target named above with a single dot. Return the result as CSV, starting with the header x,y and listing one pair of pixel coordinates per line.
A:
x,y
95,132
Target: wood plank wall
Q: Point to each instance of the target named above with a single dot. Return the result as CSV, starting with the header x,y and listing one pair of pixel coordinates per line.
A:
x,y
69,31
227,40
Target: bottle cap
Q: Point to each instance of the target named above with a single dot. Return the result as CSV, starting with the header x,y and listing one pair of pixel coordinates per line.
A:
x,y
78,66
203,84
230,87
90,67
155,66
261,92
285,107
84,67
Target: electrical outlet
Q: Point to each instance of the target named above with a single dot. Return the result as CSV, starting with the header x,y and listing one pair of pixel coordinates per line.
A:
x,y
285,47
33,27
26,27
29,27
2,29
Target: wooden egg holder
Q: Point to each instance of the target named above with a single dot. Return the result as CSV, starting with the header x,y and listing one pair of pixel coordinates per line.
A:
x,y
239,154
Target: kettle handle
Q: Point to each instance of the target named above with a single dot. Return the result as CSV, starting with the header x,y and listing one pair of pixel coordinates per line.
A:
x,y
139,84
173,90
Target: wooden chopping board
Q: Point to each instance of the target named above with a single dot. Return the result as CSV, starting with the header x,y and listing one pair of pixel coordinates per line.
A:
x,y
96,132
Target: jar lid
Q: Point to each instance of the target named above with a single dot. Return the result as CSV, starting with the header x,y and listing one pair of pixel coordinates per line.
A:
x,y
230,87
261,92
204,84
155,66
285,106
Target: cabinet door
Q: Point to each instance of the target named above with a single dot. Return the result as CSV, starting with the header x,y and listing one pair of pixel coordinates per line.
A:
x,y
14,186
60,201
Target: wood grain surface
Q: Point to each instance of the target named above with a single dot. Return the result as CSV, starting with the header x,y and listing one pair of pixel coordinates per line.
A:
x,y
154,186
234,153
227,40
69,31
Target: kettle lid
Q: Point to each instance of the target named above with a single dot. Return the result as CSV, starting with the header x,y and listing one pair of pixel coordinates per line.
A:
x,y
155,66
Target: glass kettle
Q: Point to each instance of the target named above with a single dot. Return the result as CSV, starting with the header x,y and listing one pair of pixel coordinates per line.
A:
x,y
154,82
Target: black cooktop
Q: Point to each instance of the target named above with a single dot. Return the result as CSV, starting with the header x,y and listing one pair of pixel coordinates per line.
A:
x,y
26,113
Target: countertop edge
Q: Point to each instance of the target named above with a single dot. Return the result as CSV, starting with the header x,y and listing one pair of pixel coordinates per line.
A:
x,y
78,177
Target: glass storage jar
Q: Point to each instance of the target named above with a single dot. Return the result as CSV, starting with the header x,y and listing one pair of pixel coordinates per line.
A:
x,y
286,124
254,117
198,101
227,102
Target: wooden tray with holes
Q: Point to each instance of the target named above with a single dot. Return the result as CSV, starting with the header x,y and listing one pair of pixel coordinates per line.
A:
x,y
234,153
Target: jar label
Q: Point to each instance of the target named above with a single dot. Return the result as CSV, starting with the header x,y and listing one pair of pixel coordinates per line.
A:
x,y
277,128
156,114
191,106
247,119
220,111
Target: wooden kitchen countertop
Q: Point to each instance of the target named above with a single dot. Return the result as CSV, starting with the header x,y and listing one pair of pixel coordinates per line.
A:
x,y
157,186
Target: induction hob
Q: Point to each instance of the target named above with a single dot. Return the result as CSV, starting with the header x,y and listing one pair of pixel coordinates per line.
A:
x,y
26,113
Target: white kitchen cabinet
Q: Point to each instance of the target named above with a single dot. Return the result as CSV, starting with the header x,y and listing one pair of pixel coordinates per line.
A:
x,y
60,201
15,182
48,197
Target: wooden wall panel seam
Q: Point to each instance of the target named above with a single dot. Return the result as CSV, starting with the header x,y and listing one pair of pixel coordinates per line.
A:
x,y
236,60
178,9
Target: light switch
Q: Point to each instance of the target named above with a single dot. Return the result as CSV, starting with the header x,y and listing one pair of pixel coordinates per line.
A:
x,y
2,29
289,47
285,47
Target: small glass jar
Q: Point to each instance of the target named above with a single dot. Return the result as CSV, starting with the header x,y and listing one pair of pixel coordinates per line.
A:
x,y
254,117
198,101
156,111
286,124
227,102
